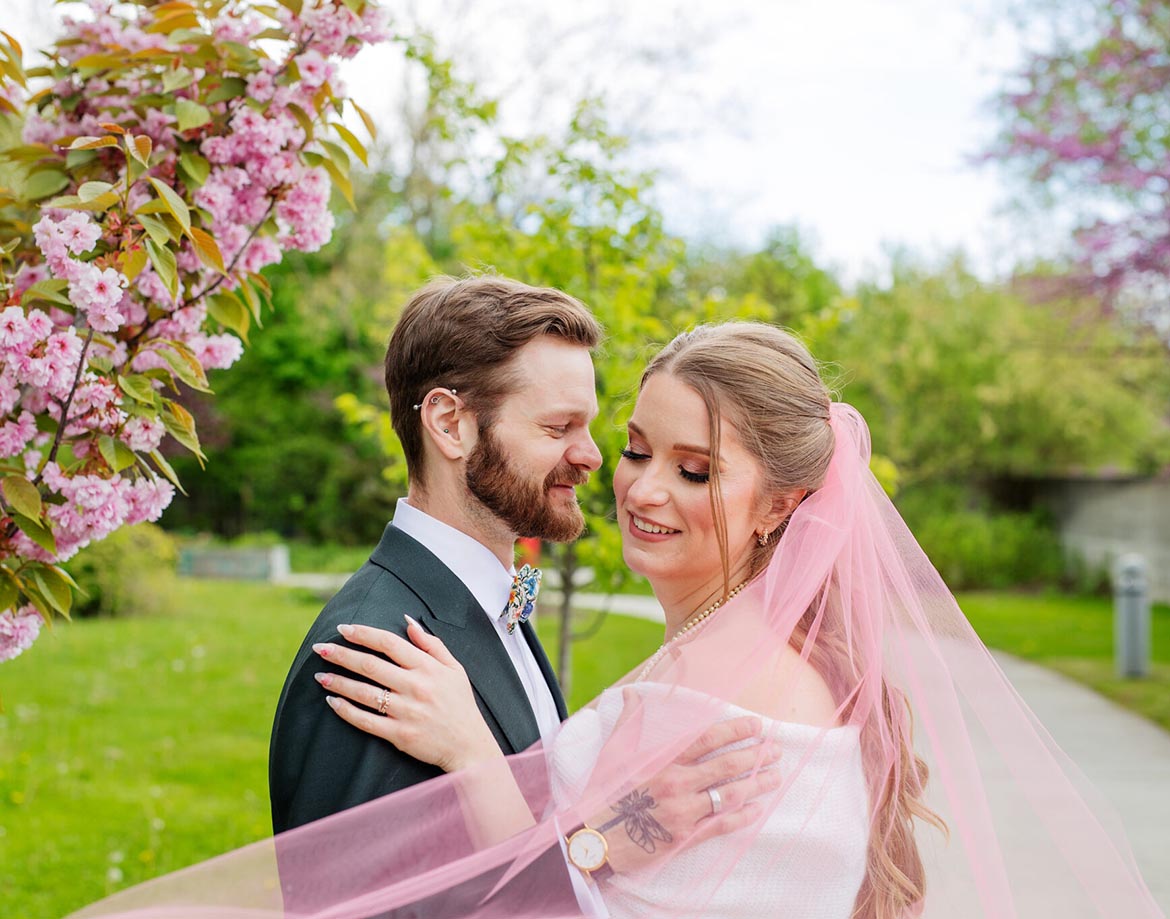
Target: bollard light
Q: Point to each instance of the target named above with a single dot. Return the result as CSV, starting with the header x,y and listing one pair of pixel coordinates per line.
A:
x,y
1131,617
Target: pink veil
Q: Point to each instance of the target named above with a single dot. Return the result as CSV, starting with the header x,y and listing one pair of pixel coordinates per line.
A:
x,y
849,596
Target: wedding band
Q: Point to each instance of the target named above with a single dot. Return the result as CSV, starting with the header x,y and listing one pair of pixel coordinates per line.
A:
x,y
383,701
716,800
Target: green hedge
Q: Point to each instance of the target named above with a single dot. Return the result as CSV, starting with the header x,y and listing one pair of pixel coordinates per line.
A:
x,y
975,546
130,573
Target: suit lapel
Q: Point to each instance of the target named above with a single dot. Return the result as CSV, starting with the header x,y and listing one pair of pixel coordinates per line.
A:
x,y
545,668
459,621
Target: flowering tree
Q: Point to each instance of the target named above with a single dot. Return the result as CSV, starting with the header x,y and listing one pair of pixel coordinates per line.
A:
x,y
1088,122
164,155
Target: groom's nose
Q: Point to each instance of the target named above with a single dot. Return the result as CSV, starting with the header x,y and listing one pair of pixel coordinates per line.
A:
x,y
583,452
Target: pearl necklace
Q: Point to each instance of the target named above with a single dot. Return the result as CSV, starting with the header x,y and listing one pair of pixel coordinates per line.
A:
x,y
689,626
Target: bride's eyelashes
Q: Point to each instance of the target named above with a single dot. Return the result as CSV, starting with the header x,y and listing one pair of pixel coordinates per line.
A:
x,y
699,478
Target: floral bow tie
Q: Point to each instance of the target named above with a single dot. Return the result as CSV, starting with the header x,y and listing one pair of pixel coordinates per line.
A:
x,y
522,599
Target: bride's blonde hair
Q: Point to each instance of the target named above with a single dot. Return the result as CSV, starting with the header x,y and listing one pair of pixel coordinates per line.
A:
x,y
765,382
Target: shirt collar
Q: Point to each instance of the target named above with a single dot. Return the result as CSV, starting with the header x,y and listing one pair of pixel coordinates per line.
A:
x,y
469,560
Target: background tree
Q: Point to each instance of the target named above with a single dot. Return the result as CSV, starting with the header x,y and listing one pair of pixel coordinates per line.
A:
x,y
1085,119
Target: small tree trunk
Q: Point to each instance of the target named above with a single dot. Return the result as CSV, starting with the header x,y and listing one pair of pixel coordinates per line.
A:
x,y
567,567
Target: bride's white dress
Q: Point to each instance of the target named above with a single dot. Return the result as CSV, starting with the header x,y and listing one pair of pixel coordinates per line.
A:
x,y
806,862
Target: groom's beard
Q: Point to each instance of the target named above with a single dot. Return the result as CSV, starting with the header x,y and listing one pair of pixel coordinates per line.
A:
x,y
524,505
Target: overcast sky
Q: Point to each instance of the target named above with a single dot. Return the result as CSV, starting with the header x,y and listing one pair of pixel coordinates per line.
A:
x,y
856,119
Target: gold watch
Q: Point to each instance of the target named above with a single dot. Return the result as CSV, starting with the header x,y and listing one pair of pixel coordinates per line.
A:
x,y
588,851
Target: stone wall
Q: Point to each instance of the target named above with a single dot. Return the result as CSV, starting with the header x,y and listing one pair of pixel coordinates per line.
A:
x,y
1102,519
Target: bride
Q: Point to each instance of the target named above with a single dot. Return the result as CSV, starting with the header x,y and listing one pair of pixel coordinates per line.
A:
x,y
911,780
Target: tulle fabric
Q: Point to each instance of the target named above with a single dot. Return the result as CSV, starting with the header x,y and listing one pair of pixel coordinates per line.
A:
x,y
849,596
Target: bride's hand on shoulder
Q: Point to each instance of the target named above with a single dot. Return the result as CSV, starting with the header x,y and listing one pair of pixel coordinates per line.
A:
x,y
707,791
414,694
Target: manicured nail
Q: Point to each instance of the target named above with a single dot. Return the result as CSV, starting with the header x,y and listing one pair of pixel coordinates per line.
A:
x,y
323,678
346,630
332,702
322,649
410,620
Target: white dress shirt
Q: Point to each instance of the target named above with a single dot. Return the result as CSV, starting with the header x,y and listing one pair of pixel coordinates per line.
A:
x,y
491,583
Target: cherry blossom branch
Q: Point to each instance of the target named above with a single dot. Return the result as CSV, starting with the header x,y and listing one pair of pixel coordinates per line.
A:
x,y
65,406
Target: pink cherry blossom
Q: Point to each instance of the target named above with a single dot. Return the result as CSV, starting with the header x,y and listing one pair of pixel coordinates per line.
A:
x,y
59,361
143,434
19,628
15,435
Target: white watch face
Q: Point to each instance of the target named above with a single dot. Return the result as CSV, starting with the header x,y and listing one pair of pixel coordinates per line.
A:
x,y
587,849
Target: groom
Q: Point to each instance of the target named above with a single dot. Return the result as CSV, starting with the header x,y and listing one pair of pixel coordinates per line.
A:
x,y
491,391
491,394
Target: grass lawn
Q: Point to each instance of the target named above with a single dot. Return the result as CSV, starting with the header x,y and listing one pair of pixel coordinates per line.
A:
x,y
1074,635
129,748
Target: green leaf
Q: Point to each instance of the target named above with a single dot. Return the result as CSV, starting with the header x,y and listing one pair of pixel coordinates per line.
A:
x,y
230,88
181,425
183,361
37,599
366,119
100,363
140,148
337,154
354,144
43,183
22,496
35,531
102,202
67,576
249,294
93,143
191,114
116,454
91,190
208,249
132,263
302,118
8,593
156,229
195,168
163,260
77,159
165,468
177,79
138,387
55,589
227,310
341,180
50,291
175,204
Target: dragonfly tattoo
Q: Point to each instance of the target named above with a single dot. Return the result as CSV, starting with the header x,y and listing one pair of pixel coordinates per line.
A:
x,y
634,809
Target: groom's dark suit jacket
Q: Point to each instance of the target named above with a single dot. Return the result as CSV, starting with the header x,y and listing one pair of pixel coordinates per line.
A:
x,y
320,765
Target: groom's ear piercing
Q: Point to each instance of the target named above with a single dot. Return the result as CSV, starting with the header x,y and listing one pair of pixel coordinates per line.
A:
x,y
434,400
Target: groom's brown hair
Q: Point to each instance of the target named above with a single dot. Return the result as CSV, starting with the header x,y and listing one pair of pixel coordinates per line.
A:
x,y
461,333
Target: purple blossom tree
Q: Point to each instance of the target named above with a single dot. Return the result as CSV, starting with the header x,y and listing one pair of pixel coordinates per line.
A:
x,y
1089,121
165,154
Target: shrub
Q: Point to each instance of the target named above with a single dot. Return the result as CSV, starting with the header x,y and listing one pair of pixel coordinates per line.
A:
x,y
974,545
130,573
